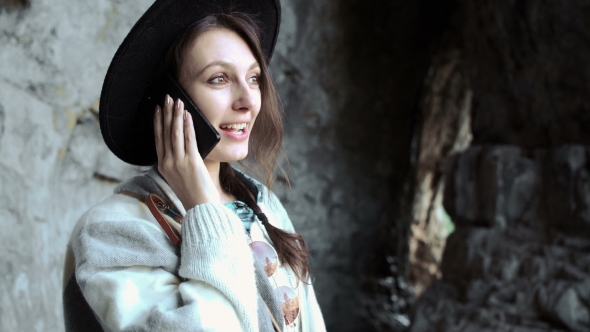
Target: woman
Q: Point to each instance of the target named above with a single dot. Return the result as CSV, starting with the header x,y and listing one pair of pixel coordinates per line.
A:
x,y
224,274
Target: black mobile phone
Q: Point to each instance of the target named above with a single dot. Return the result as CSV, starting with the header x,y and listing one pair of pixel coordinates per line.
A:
x,y
207,136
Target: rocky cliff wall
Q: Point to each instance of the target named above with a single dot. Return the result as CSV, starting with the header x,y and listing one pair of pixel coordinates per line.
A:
x,y
53,163
348,72
518,258
519,196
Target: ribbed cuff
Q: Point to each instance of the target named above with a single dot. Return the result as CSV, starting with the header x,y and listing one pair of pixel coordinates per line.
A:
x,y
212,237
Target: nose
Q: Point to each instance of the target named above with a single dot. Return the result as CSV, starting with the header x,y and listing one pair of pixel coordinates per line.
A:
x,y
246,97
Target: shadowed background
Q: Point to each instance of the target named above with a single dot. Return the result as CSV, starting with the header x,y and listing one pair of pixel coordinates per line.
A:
x,y
402,117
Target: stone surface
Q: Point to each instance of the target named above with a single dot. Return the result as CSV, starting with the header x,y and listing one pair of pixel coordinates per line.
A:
x,y
348,85
519,195
505,186
567,191
492,186
494,280
445,129
53,59
511,264
13,4
528,64
349,73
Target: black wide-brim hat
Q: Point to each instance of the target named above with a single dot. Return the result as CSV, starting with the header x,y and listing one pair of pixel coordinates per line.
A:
x,y
123,124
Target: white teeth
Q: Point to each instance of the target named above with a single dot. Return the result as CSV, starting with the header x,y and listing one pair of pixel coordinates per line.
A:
x,y
238,126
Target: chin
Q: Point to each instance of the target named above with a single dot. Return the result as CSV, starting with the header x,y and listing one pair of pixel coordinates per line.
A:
x,y
227,156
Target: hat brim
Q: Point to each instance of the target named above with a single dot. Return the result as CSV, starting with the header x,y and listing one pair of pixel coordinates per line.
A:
x,y
124,126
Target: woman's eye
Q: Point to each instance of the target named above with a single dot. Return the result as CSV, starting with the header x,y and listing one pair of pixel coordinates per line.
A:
x,y
218,80
254,79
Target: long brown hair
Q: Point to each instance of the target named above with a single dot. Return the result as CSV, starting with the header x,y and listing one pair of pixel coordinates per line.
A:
x,y
266,138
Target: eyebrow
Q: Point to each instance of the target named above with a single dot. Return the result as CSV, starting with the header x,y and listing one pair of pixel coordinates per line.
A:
x,y
224,64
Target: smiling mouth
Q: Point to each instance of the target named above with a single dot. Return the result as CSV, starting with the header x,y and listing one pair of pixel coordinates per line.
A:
x,y
236,128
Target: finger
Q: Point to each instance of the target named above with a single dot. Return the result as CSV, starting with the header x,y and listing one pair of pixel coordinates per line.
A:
x,y
158,132
190,137
168,110
178,130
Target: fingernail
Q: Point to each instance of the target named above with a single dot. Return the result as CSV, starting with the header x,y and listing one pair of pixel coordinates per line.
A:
x,y
157,109
168,100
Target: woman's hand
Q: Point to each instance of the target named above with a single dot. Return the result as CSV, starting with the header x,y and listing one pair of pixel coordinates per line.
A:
x,y
179,160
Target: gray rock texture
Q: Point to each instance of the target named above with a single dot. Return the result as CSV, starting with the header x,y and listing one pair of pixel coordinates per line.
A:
x,y
518,196
529,70
349,73
348,84
546,189
53,163
512,264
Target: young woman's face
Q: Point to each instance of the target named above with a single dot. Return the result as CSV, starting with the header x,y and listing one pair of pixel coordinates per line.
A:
x,y
221,75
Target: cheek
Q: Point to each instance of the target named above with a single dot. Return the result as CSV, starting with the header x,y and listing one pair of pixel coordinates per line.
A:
x,y
256,114
212,103
258,106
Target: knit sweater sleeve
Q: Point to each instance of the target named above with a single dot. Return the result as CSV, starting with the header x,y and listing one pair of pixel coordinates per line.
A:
x,y
134,279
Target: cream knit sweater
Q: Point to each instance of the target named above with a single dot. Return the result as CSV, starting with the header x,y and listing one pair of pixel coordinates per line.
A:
x,y
134,279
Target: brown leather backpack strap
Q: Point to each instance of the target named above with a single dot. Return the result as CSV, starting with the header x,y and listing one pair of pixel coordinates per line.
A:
x,y
157,207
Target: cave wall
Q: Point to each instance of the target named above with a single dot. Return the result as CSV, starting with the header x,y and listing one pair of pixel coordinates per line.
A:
x,y
349,86
443,131
519,195
350,75
53,163
529,67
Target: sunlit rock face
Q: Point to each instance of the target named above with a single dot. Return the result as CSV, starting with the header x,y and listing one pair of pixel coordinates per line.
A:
x,y
445,129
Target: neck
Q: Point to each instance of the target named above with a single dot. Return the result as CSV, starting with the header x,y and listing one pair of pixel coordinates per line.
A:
x,y
214,167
